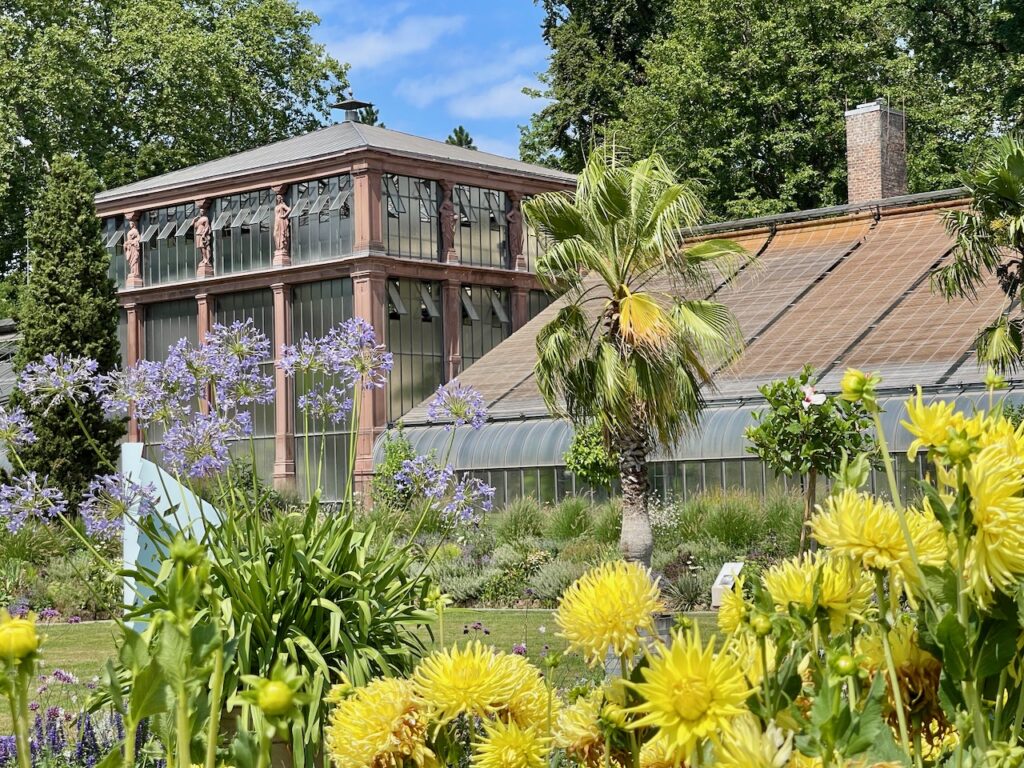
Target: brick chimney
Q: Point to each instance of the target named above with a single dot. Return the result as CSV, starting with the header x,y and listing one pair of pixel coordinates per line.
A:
x,y
876,152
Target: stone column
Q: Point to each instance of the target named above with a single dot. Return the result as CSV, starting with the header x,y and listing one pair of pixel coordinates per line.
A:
x,y
366,207
369,289
284,392
132,355
203,231
451,311
204,324
515,239
448,219
520,307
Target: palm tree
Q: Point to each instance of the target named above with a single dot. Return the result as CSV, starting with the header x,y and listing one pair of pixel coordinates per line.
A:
x,y
989,240
636,341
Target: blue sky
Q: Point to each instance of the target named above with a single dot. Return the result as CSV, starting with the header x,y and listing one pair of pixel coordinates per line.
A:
x,y
431,66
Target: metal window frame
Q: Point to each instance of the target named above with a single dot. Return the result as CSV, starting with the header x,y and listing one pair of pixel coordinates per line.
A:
x,y
393,193
498,307
184,226
428,300
464,202
469,306
494,204
148,233
114,238
167,232
396,298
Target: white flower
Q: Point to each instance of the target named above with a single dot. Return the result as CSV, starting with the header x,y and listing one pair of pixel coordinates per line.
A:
x,y
811,396
542,629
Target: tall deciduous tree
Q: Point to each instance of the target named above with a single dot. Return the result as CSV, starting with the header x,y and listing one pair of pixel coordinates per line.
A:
x,y
68,307
460,138
139,88
629,350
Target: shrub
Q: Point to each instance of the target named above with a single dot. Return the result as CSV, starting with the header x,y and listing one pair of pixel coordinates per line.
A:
x,y
607,526
386,495
553,578
588,551
77,585
569,520
519,520
507,584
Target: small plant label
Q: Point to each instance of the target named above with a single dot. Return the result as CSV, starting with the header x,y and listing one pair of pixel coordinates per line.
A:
x,y
724,581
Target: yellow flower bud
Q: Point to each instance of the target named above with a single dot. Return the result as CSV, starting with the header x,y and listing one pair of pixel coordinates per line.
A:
x,y
275,697
18,638
858,386
993,381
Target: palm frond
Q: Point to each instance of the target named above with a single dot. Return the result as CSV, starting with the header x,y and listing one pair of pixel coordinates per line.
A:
x,y
976,252
1000,345
643,323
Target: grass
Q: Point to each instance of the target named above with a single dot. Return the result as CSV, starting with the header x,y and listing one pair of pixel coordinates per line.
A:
x,y
83,649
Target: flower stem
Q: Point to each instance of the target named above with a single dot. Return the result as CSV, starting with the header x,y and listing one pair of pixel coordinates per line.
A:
x,y
216,693
183,727
19,714
897,695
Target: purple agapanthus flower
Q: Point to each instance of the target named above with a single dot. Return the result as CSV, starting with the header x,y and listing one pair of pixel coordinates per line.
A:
x,y
231,360
468,495
140,389
199,447
26,497
457,405
109,499
54,380
331,404
16,428
49,614
423,477
349,351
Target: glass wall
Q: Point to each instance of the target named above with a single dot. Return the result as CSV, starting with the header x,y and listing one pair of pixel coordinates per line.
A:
x,y
539,300
481,235
166,323
416,339
316,308
321,219
533,245
486,321
168,244
258,305
114,229
243,231
409,211
122,335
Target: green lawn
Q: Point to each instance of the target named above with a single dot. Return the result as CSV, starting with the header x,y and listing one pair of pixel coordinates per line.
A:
x,y
82,649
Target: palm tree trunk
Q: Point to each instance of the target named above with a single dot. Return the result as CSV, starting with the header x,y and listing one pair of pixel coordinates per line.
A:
x,y
636,540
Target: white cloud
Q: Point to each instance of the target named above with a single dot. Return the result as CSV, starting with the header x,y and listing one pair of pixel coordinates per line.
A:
x,y
413,34
504,99
462,75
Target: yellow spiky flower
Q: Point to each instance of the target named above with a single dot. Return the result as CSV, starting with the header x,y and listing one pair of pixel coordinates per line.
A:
x,y
868,531
659,752
842,588
690,693
506,745
733,612
607,609
995,555
527,703
578,730
750,747
379,726
746,647
472,680
929,423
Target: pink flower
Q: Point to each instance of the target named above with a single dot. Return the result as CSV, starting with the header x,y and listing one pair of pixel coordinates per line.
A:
x,y
811,396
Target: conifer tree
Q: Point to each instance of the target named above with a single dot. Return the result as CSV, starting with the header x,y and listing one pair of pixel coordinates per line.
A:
x,y
68,307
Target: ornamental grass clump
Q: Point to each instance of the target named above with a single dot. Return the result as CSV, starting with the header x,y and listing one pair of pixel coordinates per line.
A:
x,y
895,643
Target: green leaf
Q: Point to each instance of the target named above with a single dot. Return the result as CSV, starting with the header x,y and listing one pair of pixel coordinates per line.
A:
x,y
149,693
996,647
952,639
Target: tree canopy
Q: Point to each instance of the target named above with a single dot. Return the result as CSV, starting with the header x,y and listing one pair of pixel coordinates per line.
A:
x,y
748,98
143,87
460,138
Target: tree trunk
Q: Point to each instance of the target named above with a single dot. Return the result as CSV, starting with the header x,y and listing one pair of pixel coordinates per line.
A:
x,y
636,541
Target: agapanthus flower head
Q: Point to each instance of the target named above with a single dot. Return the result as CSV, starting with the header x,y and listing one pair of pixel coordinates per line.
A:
x,y
26,497
607,609
58,379
868,531
471,680
230,360
198,447
995,553
814,581
423,477
16,428
109,498
241,342
457,405
326,403
690,693
380,725
467,496
507,745
368,362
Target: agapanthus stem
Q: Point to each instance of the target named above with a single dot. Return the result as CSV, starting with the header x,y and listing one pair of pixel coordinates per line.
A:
x,y
897,695
216,694
88,437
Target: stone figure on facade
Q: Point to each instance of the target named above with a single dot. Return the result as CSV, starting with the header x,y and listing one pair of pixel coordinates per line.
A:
x,y
133,252
449,219
282,228
204,240
514,219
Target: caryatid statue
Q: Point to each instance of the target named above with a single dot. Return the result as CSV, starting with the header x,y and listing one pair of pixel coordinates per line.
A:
x,y
514,218
133,252
204,239
282,230
449,218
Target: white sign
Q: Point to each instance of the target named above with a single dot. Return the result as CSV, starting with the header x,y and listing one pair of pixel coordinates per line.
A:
x,y
723,583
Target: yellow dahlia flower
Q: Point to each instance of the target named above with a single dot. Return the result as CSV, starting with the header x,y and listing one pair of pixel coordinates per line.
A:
x,y
733,611
929,424
506,745
867,530
659,752
749,747
995,555
578,730
800,760
527,703
842,588
18,637
472,680
689,693
607,609
379,726
746,648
